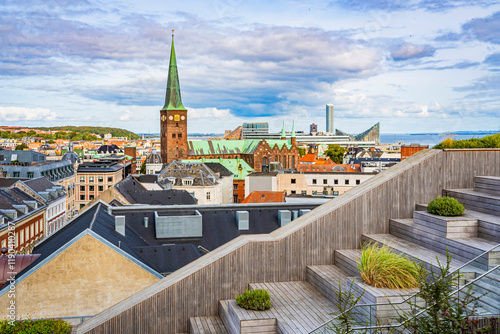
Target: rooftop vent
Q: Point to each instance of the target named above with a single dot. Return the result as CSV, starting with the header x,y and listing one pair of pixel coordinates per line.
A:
x,y
31,204
303,212
146,221
242,220
284,217
12,214
120,224
21,208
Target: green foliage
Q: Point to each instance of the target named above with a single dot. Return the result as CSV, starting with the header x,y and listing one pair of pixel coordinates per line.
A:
x,y
445,312
257,300
336,153
492,141
77,133
382,268
347,314
143,167
21,147
445,206
55,326
302,151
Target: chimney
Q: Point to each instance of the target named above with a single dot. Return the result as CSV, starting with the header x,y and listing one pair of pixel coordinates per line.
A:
x,y
146,220
120,224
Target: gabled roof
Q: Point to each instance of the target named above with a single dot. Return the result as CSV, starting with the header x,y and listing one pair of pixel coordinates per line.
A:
x,y
197,171
239,167
264,197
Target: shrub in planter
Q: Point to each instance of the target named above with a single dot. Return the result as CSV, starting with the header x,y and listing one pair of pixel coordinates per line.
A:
x,y
257,300
445,206
53,326
382,268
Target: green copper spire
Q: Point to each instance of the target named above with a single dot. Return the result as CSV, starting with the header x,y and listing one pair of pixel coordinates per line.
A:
x,y
173,97
293,130
283,134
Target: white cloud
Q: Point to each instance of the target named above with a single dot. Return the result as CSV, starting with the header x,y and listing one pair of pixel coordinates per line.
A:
x,y
127,115
13,114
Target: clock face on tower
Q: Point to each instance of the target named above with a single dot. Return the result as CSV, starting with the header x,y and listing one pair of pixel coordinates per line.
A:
x,y
163,118
177,118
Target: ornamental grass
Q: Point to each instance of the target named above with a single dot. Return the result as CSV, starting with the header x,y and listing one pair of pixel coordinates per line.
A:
x,y
380,267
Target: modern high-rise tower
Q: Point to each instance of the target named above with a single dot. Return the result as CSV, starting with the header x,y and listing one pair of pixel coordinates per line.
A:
x,y
329,118
173,117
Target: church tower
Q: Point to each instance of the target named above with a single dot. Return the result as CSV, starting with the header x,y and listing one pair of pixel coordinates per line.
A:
x,y
173,117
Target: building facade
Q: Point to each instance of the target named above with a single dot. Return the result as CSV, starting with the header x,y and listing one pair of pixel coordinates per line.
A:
x,y
329,119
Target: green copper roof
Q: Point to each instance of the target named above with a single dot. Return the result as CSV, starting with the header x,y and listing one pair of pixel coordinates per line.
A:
x,y
279,142
214,147
239,167
293,130
173,97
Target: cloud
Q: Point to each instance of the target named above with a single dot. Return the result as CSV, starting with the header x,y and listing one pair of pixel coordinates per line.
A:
x,y
407,51
398,5
493,59
486,29
13,114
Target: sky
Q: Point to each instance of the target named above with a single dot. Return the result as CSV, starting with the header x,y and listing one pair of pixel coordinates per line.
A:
x,y
415,66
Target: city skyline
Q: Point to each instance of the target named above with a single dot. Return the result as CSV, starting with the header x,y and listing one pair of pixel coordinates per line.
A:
x,y
413,66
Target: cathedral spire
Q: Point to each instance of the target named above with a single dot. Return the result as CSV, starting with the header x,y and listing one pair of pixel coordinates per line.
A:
x,y
173,97
293,129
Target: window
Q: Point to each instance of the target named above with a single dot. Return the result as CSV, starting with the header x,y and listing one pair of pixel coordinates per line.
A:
x,y
335,181
179,135
314,192
187,182
32,229
110,179
16,174
235,198
100,188
293,192
173,135
81,206
100,179
208,195
347,181
358,181
82,197
176,125
4,243
31,175
294,180
82,188
91,179
304,192
27,233
325,181
21,237
335,193
314,181
235,186
36,228
91,197
91,188
82,178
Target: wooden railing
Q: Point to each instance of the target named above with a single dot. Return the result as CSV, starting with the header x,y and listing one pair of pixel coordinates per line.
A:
x,y
283,255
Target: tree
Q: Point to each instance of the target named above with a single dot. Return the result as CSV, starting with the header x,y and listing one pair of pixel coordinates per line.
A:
x,y
143,167
336,153
302,151
21,147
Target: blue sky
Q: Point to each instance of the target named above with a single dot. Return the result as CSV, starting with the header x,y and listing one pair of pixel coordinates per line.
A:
x,y
412,65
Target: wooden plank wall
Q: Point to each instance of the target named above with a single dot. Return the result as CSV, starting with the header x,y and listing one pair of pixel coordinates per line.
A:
x,y
283,255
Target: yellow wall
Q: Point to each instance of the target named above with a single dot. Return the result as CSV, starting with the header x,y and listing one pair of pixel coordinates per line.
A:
x,y
84,279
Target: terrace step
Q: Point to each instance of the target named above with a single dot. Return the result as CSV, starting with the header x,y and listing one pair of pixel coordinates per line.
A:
x,y
476,200
464,226
487,184
412,250
463,250
347,260
326,278
206,325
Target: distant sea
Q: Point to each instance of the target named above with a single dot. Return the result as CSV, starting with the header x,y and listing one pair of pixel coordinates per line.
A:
x,y
430,139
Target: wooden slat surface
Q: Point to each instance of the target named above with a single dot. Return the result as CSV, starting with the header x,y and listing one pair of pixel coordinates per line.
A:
x,y
283,255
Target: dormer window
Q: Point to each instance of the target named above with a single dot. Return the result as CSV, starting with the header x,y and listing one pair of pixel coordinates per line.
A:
x,y
187,181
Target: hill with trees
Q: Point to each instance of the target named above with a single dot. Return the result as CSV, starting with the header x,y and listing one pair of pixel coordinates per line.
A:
x,y
76,133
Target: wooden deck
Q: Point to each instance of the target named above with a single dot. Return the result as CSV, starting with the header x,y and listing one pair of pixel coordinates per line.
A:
x,y
206,325
297,306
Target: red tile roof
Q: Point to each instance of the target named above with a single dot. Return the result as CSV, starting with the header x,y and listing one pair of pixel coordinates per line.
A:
x,y
264,197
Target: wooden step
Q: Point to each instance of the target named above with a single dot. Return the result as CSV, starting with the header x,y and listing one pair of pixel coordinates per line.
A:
x,y
464,226
475,200
463,250
206,325
412,250
326,278
297,306
487,184
347,260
